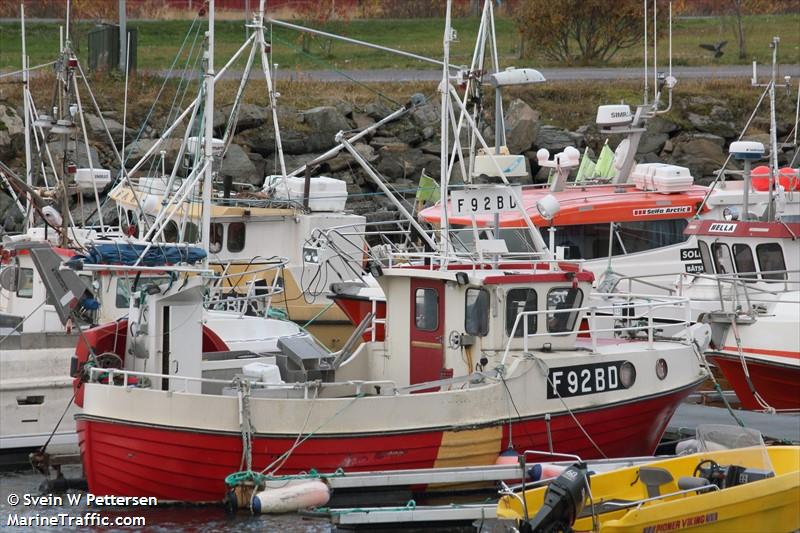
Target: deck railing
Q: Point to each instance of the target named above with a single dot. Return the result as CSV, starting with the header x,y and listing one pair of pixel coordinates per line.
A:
x,y
616,309
388,387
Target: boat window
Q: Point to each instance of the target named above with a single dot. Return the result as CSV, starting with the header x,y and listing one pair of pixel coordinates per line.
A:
x,y
722,258
25,283
236,236
590,241
705,255
770,259
643,235
215,242
426,309
745,264
190,232
124,284
562,299
171,232
519,301
476,312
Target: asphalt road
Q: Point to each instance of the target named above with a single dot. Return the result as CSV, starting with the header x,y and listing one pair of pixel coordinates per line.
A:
x,y
579,73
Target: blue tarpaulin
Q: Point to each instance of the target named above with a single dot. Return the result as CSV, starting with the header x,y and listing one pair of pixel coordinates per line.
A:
x,y
123,253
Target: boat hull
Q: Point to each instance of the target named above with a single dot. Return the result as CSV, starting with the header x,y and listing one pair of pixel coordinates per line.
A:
x,y
777,383
181,464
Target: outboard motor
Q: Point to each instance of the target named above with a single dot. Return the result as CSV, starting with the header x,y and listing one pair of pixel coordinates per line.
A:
x,y
563,502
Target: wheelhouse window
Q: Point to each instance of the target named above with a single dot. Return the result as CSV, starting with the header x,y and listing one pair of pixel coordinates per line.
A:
x,y
590,241
171,232
705,255
770,261
722,258
426,309
236,236
561,300
745,264
191,233
520,301
476,312
215,242
25,283
124,285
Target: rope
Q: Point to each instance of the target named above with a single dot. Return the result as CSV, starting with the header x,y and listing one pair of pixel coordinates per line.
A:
x,y
545,369
47,442
22,321
285,455
717,386
333,69
304,326
761,401
245,424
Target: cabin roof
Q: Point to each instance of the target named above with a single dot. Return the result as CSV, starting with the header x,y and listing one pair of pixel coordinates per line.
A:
x,y
739,228
588,205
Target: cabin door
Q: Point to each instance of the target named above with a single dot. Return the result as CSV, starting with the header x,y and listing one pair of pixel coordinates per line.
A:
x,y
427,330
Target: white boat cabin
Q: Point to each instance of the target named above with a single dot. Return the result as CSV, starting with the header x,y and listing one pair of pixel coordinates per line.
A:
x,y
750,250
446,323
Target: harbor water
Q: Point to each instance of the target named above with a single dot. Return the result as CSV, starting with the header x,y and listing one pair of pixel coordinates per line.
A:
x,y
200,519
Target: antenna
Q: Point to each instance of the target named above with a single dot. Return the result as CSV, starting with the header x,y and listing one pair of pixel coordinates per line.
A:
x,y
655,53
646,73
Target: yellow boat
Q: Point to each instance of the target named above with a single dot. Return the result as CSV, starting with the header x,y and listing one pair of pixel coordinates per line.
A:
x,y
751,489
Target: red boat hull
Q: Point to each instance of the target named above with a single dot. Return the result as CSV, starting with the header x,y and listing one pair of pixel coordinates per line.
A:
x,y
778,384
356,308
127,459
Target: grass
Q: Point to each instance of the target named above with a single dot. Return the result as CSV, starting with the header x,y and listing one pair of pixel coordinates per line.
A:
x,y
159,41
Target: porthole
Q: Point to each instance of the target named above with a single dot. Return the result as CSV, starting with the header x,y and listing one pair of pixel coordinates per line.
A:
x,y
661,369
627,374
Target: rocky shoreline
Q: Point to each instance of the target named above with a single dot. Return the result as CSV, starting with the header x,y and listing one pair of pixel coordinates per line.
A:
x,y
695,134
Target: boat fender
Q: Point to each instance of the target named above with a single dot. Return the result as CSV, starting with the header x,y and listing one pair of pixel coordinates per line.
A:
x,y
541,471
701,334
291,498
508,456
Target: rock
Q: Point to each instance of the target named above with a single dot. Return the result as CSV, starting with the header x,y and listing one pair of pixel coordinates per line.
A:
x,y
76,152
391,167
250,116
554,139
325,119
136,150
652,142
404,129
432,148
362,121
345,108
394,144
261,140
97,132
702,154
521,126
377,110
11,219
12,132
719,121
659,124
366,151
426,115
238,166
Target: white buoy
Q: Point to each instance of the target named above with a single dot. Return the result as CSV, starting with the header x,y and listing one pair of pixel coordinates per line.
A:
x,y
291,498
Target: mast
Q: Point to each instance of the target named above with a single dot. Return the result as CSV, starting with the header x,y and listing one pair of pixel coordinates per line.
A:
x,y
27,113
209,133
773,135
444,88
